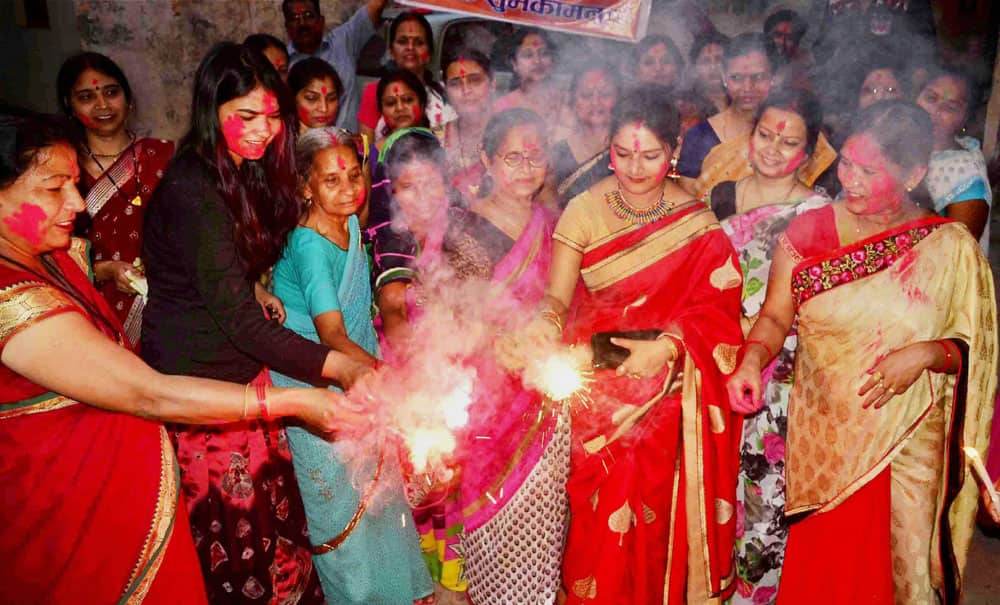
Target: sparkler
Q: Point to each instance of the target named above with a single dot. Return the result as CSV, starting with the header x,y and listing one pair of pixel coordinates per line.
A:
x,y
560,375
977,466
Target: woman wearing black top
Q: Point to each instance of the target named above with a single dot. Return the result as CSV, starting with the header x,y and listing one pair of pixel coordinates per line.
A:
x,y
217,222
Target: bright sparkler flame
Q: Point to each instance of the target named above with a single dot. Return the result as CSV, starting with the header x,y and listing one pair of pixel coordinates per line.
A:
x,y
426,445
560,375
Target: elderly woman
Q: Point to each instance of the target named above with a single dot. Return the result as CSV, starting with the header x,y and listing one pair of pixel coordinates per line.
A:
x,y
885,396
109,515
322,278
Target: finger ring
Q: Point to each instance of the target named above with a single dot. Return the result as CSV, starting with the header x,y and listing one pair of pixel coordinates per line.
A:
x,y
634,375
890,389
881,385
878,376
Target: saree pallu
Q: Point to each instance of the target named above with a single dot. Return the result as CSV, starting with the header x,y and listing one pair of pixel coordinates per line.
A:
x,y
761,529
246,514
515,464
90,498
116,203
729,161
654,461
932,283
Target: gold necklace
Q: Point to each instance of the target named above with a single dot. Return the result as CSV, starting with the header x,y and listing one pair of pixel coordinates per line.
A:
x,y
637,216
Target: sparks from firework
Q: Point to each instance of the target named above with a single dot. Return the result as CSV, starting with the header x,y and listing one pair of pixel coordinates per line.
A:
x,y
562,375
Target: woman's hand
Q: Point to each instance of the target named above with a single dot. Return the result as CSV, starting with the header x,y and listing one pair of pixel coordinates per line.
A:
x,y
120,272
329,411
744,387
271,304
515,349
987,503
646,357
893,374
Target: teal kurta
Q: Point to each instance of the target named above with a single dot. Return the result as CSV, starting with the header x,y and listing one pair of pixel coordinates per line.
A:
x,y
380,562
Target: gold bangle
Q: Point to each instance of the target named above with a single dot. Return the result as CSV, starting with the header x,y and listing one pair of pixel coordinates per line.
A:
x,y
246,388
553,317
674,340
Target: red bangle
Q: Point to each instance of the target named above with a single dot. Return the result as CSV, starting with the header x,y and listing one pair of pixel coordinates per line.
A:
x,y
770,355
262,402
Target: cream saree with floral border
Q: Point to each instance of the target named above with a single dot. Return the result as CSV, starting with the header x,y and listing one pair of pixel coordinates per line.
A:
x,y
926,280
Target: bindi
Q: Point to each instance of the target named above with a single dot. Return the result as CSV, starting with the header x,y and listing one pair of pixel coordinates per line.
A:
x,y
781,126
341,163
26,223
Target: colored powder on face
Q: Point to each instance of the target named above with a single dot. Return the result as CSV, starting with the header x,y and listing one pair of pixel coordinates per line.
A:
x,y
323,90
395,91
270,103
416,113
341,164
86,121
94,82
362,195
661,173
232,132
781,126
614,161
424,56
303,115
26,223
794,163
635,142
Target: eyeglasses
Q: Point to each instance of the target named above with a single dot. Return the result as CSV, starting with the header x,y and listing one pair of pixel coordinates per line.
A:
x,y
469,80
535,159
880,91
302,17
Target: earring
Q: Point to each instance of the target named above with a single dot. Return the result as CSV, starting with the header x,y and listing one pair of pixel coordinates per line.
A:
x,y
673,174
611,167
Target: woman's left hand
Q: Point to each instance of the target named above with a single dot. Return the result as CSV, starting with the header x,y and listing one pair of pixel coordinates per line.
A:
x,y
646,357
271,304
893,374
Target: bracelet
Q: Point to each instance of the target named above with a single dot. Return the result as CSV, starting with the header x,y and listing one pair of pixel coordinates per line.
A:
x,y
262,402
770,355
947,353
246,402
552,316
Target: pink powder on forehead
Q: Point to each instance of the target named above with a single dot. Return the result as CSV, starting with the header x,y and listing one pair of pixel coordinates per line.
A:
x,y
94,82
395,90
781,126
635,142
341,163
26,223
270,103
323,90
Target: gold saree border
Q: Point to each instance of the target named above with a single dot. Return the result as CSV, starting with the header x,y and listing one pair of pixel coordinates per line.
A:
x,y
522,447
46,402
79,252
161,529
529,258
25,303
648,251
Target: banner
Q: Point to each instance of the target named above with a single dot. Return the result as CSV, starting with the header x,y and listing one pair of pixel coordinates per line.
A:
x,y
617,19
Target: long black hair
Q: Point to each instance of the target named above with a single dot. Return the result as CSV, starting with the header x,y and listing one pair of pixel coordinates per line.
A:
x,y
23,134
69,73
260,194
420,20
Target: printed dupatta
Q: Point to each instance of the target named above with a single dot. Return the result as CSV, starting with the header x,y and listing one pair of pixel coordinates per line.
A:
x,y
930,282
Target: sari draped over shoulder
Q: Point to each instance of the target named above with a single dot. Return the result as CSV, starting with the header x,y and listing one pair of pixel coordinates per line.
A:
x,y
91,504
116,202
760,490
514,463
932,282
653,474
729,162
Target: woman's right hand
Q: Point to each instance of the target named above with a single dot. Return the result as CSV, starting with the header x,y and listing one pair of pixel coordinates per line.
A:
x,y
120,272
329,411
744,388
515,349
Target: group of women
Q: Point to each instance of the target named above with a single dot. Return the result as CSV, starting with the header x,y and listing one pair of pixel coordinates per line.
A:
x,y
751,416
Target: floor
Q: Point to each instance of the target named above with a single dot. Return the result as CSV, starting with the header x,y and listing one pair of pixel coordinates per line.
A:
x,y
982,574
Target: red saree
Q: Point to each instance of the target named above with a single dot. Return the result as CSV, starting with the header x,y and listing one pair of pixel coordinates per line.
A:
x,y
890,485
90,498
115,232
654,462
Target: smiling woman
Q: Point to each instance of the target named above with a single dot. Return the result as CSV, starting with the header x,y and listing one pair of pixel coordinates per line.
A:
x,y
317,89
218,221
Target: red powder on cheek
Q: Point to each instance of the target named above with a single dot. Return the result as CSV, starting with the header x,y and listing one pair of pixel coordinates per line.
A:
x,y
26,223
362,196
303,115
424,56
416,113
795,162
86,121
232,132
614,161
661,173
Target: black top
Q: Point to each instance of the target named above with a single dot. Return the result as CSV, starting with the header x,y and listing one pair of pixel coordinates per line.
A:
x,y
723,199
473,245
201,318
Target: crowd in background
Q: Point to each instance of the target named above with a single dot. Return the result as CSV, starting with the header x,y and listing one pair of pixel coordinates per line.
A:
x,y
774,256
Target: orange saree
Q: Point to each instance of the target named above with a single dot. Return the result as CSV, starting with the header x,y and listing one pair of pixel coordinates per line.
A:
x,y
654,461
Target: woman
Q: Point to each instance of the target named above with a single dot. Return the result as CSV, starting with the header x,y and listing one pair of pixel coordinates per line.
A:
x,y
120,172
322,279
519,473
657,61
411,43
317,90
754,211
273,49
468,77
746,70
956,176
109,515
406,241
653,471
218,221
533,87
876,478
707,79
402,102
592,93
